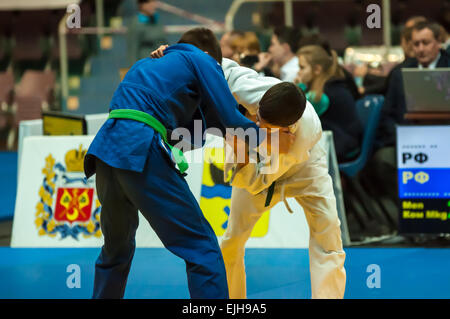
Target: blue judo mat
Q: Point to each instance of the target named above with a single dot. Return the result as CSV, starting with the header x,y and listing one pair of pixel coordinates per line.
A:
x,y
272,273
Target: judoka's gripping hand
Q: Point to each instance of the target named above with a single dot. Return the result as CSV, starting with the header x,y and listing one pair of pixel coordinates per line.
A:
x,y
239,147
158,53
280,137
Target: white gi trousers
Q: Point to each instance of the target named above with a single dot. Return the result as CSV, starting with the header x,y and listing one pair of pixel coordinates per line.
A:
x,y
312,187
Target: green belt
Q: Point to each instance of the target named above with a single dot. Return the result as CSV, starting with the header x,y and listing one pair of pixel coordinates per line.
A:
x,y
143,117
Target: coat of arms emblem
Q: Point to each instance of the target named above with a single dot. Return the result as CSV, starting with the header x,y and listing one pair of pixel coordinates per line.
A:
x,y
68,204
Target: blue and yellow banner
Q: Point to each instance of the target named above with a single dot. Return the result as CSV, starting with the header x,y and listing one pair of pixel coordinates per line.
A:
x,y
215,197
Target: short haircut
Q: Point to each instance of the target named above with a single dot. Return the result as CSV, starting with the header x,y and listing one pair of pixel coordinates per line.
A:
x,y
234,33
283,104
205,40
415,19
248,41
433,26
288,35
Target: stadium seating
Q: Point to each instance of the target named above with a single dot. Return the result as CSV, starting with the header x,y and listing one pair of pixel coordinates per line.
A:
x,y
29,43
6,89
361,208
34,92
369,110
6,95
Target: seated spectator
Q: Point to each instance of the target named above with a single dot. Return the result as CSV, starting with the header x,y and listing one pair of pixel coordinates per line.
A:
x,y
325,87
245,49
405,40
228,51
282,50
145,34
426,39
317,39
426,44
247,52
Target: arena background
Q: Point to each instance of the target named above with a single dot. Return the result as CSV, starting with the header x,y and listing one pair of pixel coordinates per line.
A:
x,y
45,66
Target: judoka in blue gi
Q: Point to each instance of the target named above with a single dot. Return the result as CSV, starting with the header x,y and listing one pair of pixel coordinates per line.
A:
x,y
135,170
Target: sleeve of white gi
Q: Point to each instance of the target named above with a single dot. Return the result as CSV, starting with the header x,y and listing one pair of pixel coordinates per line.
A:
x,y
247,86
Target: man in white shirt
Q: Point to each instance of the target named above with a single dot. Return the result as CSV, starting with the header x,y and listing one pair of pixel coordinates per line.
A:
x,y
283,47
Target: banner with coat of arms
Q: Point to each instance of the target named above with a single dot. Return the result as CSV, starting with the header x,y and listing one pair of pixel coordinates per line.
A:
x,y
68,204
57,207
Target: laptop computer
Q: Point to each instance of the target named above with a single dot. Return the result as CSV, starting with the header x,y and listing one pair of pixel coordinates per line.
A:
x,y
427,91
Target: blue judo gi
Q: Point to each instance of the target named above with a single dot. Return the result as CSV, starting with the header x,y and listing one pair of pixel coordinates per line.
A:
x,y
135,171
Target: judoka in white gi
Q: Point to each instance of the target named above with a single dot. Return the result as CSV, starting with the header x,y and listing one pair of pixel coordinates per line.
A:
x,y
302,174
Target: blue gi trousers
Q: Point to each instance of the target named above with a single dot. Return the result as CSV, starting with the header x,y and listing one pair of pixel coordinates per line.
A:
x,y
162,195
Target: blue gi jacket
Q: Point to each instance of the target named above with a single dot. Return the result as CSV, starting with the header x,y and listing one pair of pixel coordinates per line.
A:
x,y
184,84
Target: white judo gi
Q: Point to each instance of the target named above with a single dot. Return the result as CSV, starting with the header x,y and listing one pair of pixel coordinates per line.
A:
x,y
302,174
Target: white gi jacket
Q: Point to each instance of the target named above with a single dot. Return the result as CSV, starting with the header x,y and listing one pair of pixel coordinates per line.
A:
x,y
302,174
248,87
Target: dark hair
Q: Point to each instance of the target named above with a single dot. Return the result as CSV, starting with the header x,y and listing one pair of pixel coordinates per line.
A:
x,y
283,104
416,19
205,40
315,39
433,26
288,35
144,1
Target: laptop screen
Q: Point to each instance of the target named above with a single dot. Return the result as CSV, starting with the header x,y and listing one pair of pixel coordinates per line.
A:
x,y
427,90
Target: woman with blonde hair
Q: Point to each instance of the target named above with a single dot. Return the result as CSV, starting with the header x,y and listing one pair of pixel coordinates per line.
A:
x,y
325,86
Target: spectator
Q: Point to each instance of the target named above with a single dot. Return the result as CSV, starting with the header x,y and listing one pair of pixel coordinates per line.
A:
x,y
407,46
425,37
405,40
282,50
245,49
247,52
325,86
226,43
317,39
377,84
145,33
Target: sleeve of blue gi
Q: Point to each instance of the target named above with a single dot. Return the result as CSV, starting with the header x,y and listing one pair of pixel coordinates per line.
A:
x,y
216,94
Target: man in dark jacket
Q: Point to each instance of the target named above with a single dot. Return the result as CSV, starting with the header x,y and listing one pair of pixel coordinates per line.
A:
x,y
428,55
